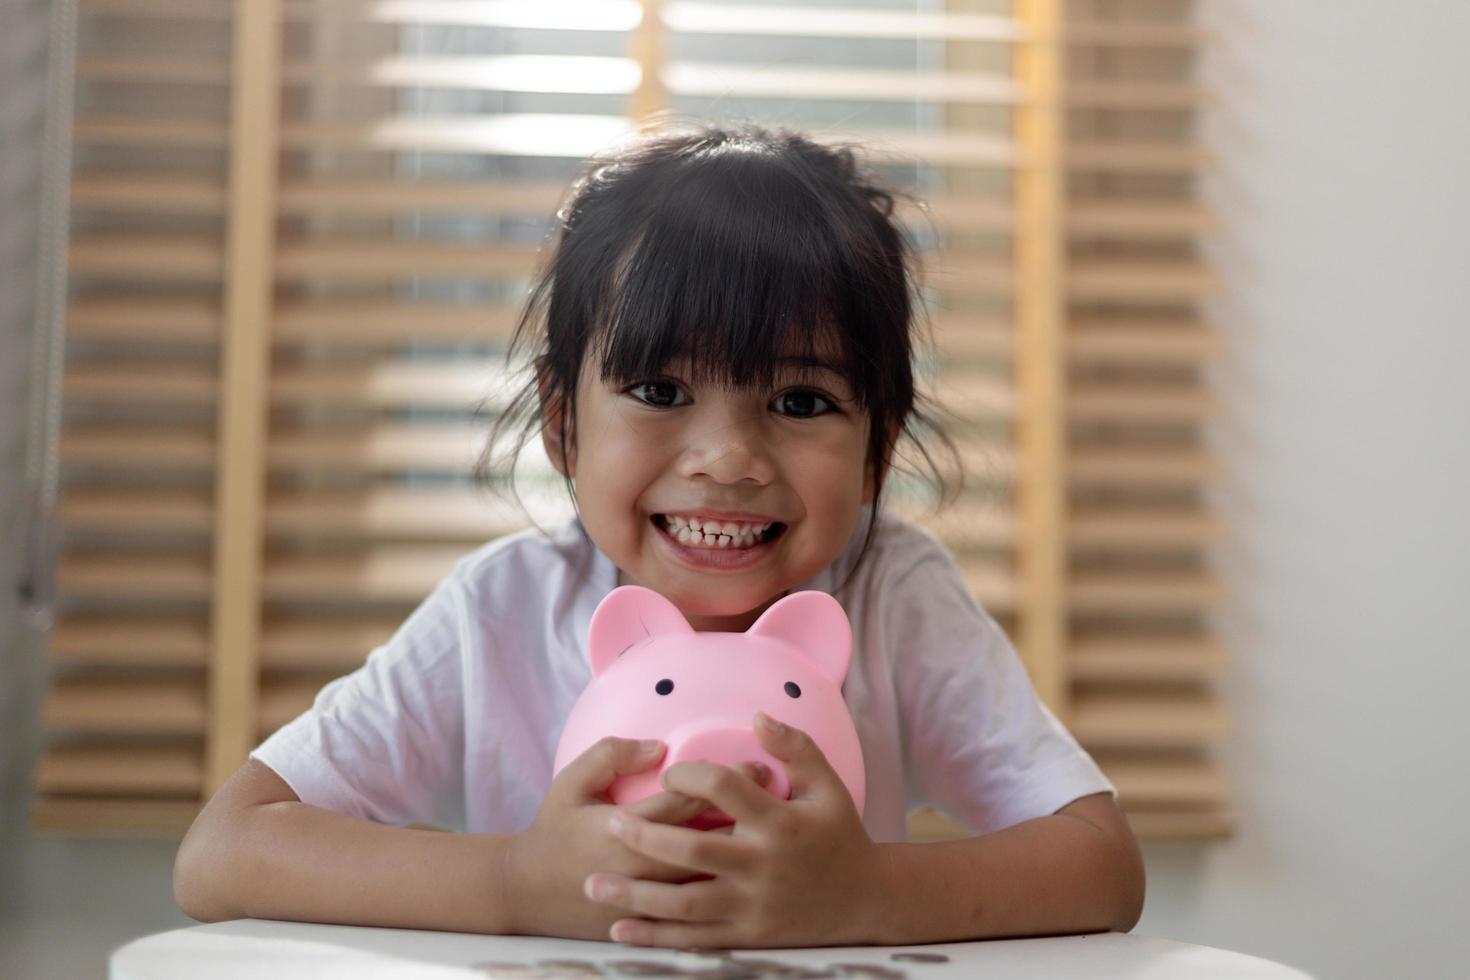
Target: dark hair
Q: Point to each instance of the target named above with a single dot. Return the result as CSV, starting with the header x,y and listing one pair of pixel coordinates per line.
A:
x,y
734,247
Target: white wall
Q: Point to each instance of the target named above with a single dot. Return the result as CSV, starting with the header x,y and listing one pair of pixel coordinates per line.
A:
x,y
1344,135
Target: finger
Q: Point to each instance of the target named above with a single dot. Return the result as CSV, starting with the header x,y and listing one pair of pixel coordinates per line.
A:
x,y
674,935
668,807
729,789
714,854
590,774
757,772
699,901
675,807
807,769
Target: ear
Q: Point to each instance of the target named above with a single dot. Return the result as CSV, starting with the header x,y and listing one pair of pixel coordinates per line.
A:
x,y
629,614
815,624
555,427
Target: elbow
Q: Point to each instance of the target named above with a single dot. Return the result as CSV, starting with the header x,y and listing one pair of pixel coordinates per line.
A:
x,y
196,869
189,884
1115,864
1130,909
1130,886
190,901
220,860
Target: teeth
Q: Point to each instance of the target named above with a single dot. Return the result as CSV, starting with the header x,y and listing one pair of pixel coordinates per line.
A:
x,y
714,534
729,529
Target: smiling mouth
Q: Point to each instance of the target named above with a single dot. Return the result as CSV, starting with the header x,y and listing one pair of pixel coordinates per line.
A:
x,y
717,535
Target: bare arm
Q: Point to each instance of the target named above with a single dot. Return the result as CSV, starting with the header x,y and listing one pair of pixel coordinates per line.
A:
x,y
257,851
1078,870
803,871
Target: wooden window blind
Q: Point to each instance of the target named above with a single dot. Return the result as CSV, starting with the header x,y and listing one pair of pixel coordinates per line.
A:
x,y
1141,652
301,231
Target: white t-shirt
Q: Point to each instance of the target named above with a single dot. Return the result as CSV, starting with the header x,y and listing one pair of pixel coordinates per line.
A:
x,y
454,721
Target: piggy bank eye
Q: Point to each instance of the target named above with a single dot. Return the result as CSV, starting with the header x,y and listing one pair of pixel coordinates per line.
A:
x,y
664,686
792,689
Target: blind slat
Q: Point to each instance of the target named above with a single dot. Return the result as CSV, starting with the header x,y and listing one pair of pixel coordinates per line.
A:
x,y
1162,659
356,324
1137,721
137,131
136,448
135,641
112,769
387,261
836,22
1135,592
148,258
134,707
459,515
149,510
335,645
443,447
126,317
176,578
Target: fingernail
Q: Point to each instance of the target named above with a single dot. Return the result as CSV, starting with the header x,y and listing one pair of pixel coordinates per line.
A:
x,y
617,823
597,889
771,724
649,746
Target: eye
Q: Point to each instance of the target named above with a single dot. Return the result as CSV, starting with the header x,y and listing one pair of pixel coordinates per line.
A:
x,y
666,686
792,689
658,394
802,403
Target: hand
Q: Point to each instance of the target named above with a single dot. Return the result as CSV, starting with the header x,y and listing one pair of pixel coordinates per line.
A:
x,y
793,873
545,865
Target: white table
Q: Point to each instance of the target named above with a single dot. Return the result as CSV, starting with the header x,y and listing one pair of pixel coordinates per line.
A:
x,y
290,950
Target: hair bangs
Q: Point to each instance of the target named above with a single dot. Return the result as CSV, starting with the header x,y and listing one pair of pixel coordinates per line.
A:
x,y
730,284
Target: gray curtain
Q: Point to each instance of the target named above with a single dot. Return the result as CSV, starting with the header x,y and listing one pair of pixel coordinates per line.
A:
x,y
32,236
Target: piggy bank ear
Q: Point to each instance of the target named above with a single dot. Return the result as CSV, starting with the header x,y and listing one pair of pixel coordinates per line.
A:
x,y
814,623
629,614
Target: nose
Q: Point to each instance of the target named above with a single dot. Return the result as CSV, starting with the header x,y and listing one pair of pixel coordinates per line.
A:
x,y
729,747
729,452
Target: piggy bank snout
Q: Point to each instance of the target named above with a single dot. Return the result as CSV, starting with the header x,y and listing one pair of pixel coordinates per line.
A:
x,y
729,747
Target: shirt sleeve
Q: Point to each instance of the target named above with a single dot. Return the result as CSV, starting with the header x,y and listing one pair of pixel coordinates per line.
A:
x,y
978,742
386,742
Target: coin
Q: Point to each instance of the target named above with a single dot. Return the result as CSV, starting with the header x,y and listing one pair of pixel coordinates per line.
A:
x,y
501,970
644,968
768,968
726,970
572,968
778,968
920,957
703,952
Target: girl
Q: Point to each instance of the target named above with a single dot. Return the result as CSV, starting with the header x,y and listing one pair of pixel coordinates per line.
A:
x,y
722,374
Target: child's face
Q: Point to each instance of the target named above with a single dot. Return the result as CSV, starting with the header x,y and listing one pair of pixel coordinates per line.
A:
x,y
793,454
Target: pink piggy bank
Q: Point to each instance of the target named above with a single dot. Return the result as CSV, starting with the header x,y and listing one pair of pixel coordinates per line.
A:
x,y
654,676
